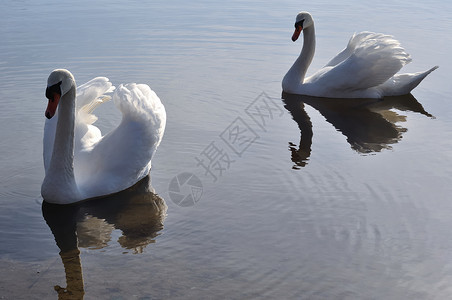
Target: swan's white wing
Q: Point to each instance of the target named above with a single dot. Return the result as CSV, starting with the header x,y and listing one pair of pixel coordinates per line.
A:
x,y
356,40
375,59
123,156
87,93
89,96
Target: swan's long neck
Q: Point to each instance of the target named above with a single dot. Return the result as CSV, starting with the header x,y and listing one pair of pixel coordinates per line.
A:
x,y
307,52
296,74
59,184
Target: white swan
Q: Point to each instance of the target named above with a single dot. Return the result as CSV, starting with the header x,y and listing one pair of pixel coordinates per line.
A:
x,y
79,162
366,68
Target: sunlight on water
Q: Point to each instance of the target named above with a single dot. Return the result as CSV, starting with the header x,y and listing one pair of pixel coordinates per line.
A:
x,y
252,196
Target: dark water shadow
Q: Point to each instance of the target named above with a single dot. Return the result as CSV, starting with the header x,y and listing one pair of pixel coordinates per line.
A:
x,y
138,212
370,125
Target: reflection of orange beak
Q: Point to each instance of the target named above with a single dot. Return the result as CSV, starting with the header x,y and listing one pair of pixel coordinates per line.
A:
x,y
296,33
52,106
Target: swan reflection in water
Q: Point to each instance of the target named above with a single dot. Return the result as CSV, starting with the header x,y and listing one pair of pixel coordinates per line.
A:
x,y
370,125
138,212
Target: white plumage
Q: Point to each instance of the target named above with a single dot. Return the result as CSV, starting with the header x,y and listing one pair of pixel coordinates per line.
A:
x,y
84,164
366,68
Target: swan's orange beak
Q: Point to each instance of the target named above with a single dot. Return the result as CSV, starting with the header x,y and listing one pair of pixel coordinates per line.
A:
x,y
296,33
52,106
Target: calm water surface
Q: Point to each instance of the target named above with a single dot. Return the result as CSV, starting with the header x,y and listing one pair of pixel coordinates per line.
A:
x,y
252,196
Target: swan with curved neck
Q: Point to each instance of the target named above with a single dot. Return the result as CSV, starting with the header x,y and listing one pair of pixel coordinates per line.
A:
x,y
366,68
79,162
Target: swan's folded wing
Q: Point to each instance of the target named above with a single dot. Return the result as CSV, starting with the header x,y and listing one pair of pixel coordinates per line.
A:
x,y
374,60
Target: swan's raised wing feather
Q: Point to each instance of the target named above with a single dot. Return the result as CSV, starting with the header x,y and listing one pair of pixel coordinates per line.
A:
x,y
123,156
87,93
375,59
353,43
88,96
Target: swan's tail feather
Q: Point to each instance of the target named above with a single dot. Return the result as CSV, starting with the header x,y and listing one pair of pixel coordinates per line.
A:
x,y
403,84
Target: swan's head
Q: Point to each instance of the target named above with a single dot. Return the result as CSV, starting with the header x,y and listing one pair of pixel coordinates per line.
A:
x,y
303,20
60,82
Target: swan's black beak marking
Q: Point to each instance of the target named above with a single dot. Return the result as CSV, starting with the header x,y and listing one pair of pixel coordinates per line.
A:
x,y
299,23
54,89
53,93
298,29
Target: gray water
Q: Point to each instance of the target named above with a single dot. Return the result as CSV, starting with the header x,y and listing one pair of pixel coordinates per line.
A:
x,y
293,199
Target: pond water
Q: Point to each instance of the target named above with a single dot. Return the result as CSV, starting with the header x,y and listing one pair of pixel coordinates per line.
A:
x,y
253,196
